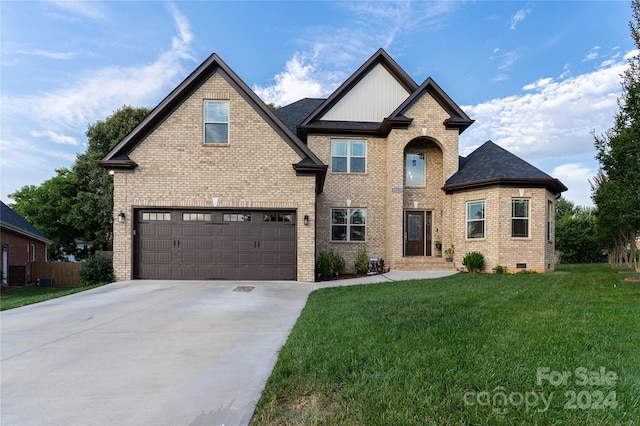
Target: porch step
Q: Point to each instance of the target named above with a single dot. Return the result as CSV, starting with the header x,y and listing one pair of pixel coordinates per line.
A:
x,y
423,263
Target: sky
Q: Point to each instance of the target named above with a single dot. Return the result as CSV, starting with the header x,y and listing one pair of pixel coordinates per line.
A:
x,y
538,77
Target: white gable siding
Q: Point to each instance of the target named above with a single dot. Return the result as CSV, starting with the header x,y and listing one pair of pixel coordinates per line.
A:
x,y
372,99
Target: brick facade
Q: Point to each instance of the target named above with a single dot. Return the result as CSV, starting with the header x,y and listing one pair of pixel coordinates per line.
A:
x,y
175,169
21,251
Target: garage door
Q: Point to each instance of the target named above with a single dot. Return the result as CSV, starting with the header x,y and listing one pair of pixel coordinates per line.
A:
x,y
214,244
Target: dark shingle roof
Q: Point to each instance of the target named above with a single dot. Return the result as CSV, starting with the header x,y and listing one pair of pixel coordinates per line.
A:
x,y
491,164
295,113
14,222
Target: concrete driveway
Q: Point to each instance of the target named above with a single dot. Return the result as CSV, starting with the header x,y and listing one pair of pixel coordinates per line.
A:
x,y
145,353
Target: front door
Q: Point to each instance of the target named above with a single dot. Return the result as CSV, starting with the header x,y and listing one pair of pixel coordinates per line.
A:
x,y
417,234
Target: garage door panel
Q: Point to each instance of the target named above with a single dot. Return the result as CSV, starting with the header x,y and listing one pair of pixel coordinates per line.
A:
x,y
263,248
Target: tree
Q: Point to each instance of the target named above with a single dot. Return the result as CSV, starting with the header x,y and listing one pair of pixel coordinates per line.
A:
x,y
95,188
77,204
52,208
575,234
616,191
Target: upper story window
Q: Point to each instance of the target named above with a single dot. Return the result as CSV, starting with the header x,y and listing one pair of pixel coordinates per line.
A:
x,y
414,170
216,122
519,218
348,156
475,219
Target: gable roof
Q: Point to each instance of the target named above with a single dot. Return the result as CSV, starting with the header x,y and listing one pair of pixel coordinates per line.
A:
x,y
118,157
314,123
490,165
457,120
12,221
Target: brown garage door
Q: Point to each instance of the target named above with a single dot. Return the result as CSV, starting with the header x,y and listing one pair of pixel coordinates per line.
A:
x,y
214,244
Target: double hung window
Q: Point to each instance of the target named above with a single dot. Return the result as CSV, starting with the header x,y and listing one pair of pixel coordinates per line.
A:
x,y
348,156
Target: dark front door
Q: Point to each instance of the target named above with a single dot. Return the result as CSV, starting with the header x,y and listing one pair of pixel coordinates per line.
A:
x,y
414,234
417,234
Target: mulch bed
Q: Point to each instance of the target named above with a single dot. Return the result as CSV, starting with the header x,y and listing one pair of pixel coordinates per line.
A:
x,y
633,279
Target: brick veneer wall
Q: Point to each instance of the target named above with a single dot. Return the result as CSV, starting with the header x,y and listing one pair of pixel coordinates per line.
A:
x,y
19,252
175,169
498,247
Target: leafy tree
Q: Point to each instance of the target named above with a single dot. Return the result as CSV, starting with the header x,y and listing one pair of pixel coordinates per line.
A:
x,y
616,191
52,208
95,187
77,204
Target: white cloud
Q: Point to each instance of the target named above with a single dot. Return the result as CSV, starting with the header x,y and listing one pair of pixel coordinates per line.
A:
x,y
331,54
45,54
551,121
505,62
594,54
518,17
55,137
552,115
84,9
292,84
576,177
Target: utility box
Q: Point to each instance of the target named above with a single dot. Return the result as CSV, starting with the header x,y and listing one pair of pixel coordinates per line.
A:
x,y
44,282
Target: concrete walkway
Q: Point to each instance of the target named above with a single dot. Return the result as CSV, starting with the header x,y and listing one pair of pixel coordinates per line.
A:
x,y
150,352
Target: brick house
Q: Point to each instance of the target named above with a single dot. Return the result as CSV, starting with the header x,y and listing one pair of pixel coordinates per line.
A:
x,y
22,244
214,185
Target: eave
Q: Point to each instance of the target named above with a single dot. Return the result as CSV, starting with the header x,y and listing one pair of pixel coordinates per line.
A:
x,y
553,185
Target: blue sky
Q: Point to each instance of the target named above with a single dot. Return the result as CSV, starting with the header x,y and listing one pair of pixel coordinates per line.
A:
x,y
538,77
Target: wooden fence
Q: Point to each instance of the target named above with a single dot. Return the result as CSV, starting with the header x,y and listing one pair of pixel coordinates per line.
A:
x,y
64,274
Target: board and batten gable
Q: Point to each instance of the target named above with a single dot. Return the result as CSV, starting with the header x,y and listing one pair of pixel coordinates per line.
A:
x,y
372,99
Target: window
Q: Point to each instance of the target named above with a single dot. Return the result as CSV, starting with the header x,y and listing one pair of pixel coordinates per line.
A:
x,y
348,224
475,219
277,218
196,217
236,217
348,156
549,216
520,218
414,170
216,122
32,252
156,216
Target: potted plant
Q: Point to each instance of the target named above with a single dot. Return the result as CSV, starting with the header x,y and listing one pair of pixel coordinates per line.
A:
x,y
449,252
438,244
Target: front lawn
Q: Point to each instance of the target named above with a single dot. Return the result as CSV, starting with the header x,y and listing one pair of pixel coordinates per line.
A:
x,y
17,297
557,348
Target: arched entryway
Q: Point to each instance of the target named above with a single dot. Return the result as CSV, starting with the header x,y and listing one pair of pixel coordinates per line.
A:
x,y
422,200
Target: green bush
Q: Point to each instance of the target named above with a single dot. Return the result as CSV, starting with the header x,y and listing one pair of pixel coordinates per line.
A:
x,y
474,262
362,262
328,264
97,269
338,263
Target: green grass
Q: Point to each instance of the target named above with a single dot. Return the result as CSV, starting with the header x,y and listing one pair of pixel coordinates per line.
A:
x,y
408,353
28,295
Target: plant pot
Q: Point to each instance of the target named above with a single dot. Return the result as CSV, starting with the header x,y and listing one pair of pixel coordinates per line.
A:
x,y
449,259
439,246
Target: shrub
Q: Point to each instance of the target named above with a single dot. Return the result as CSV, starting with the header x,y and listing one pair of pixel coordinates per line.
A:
x,y
338,263
499,269
328,264
474,262
97,269
362,262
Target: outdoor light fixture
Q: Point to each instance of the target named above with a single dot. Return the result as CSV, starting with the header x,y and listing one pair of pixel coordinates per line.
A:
x,y
306,219
121,217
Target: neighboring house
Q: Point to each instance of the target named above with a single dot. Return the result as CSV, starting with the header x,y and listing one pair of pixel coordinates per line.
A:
x,y
214,185
22,244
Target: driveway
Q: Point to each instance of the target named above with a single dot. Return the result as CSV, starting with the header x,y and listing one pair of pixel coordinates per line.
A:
x,y
145,353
